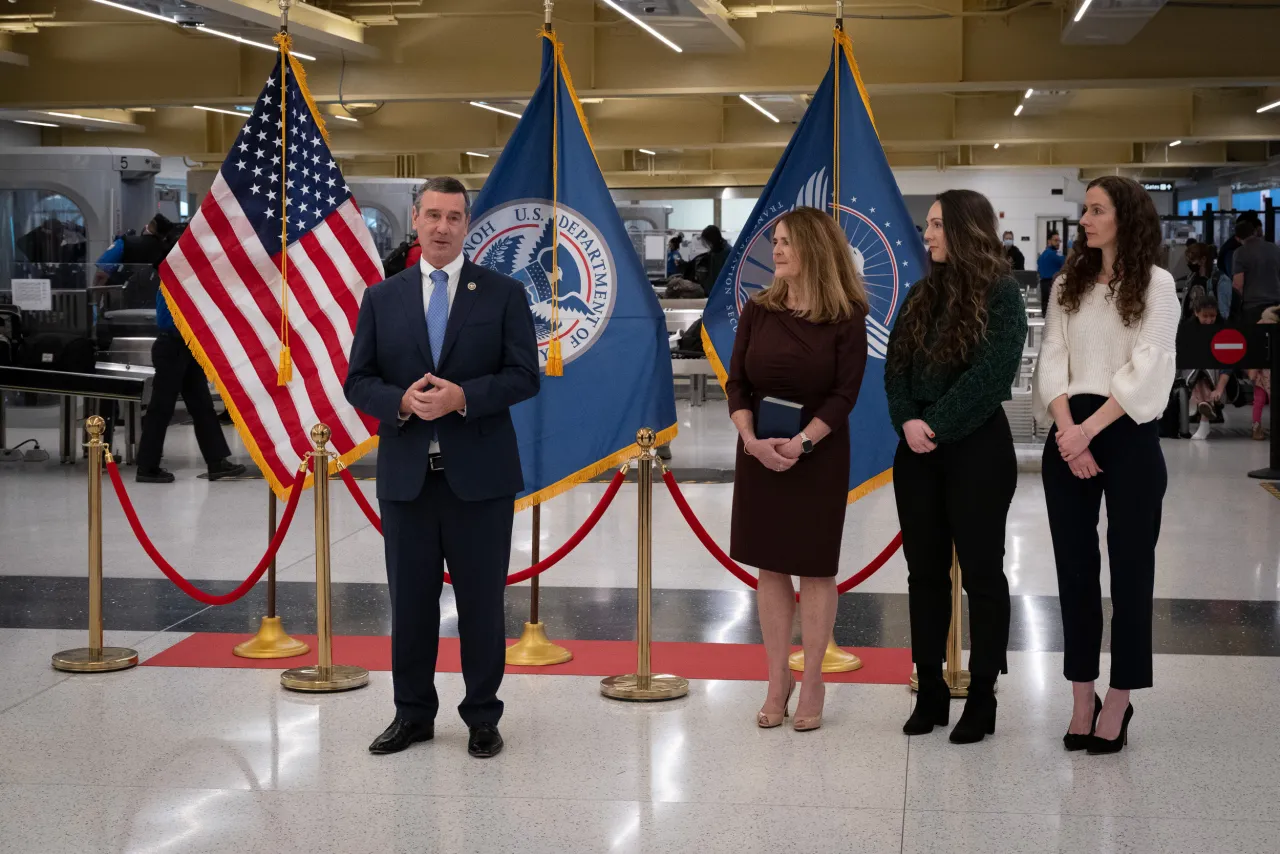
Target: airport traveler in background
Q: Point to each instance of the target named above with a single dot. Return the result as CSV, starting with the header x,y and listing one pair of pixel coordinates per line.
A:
x,y
1261,379
952,360
1104,374
707,266
1255,272
1207,385
1206,280
178,373
1016,259
1048,265
1231,244
675,262
442,351
802,341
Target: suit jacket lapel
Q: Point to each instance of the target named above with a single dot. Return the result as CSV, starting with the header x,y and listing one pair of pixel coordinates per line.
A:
x,y
463,301
415,313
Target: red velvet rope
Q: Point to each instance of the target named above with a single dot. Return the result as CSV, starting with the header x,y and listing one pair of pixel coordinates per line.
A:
x,y
746,577
186,586
524,574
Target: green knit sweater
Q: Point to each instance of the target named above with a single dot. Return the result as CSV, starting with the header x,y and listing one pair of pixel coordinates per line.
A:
x,y
955,400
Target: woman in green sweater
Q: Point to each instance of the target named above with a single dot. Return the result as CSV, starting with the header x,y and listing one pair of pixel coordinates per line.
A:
x,y
952,359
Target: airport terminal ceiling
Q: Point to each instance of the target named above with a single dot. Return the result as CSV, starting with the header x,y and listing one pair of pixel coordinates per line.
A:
x,y
946,78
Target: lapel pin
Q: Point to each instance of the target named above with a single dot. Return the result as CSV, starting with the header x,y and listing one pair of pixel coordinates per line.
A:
x,y
471,286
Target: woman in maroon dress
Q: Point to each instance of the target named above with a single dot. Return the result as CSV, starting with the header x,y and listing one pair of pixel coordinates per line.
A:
x,y
804,341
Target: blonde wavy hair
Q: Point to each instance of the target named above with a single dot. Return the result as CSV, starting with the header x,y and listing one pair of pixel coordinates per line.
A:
x,y
827,274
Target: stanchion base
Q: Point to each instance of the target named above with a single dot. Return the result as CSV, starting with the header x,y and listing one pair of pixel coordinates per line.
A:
x,y
535,650
103,660
958,691
271,642
325,680
1265,474
834,660
659,686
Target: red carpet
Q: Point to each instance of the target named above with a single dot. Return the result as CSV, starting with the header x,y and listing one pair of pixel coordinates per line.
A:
x,y
590,658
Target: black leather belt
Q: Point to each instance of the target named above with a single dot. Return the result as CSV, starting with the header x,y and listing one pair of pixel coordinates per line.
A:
x,y
435,462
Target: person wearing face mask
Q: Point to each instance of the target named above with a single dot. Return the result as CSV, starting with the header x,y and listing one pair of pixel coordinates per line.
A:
x,y
1048,265
953,356
1017,261
1104,374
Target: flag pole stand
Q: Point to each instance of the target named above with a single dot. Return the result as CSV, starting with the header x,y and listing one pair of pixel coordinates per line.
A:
x,y
95,658
271,641
957,679
834,660
323,677
644,684
534,649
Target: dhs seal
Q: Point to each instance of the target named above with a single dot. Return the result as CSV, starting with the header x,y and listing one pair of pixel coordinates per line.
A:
x,y
516,239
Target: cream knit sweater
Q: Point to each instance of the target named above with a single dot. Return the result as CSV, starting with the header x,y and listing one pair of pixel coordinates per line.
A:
x,y
1093,352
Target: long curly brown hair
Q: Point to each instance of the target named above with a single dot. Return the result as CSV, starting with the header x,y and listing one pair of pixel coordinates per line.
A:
x,y
1137,251
945,315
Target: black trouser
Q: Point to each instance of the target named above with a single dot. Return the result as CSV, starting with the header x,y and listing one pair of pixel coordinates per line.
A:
x,y
177,372
474,538
1133,480
1046,286
958,493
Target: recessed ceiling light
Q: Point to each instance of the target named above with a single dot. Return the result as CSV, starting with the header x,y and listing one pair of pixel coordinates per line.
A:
x,y
1269,107
648,152
1084,7
1030,92
997,145
342,118
143,12
478,154
1175,142
37,124
1018,111
642,25
482,105
758,107
84,118
238,115
235,38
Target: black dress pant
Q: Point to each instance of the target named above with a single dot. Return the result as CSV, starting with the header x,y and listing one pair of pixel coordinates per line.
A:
x,y
1046,288
474,539
178,372
1133,481
958,493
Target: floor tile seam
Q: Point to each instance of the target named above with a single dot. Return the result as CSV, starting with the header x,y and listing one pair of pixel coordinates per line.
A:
x,y
1259,821
310,556
21,702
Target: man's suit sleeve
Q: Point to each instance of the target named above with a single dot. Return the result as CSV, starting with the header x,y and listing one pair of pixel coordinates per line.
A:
x,y
365,388
519,377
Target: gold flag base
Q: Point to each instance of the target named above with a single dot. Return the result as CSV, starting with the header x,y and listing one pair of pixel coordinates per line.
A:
x,y
834,660
325,680
104,660
535,650
959,689
657,686
271,642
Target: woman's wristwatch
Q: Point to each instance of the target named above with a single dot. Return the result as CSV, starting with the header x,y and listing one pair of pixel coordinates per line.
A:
x,y
806,444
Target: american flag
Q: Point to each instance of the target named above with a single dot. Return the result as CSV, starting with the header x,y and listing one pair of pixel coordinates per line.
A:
x,y
223,284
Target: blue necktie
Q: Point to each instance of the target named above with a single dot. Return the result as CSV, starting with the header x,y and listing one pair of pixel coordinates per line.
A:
x,y
438,314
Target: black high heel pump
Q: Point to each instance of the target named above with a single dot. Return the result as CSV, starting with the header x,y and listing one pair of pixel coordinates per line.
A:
x,y
1080,741
1099,746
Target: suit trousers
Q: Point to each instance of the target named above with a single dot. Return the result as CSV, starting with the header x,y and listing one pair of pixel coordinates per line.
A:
x,y
959,494
1133,481
177,372
474,539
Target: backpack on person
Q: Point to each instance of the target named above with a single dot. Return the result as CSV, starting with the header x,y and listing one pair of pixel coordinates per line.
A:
x,y
398,259
678,287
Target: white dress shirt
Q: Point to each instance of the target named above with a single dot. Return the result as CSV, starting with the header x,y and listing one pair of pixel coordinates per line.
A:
x,y
454,271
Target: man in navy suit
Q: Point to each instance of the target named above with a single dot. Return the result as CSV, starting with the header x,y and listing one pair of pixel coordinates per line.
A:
x,y
442,351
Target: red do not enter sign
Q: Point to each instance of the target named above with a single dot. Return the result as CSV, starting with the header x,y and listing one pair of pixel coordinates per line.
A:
x,y
1228,346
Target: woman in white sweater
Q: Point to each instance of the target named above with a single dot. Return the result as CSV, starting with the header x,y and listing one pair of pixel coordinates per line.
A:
x,y
1103,376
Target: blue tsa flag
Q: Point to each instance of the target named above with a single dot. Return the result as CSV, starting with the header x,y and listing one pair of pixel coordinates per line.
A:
x,y
545,217
886,248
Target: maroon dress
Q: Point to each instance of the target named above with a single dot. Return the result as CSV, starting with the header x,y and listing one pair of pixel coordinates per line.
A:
x,y
792,522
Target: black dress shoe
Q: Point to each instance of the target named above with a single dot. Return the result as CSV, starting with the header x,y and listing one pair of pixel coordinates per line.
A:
x,y
400,735
1098,746
485,741
225,468
155,475
978,719
933,703
1080,741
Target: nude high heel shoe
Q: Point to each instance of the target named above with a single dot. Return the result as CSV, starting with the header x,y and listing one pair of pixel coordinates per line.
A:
x,y
764,720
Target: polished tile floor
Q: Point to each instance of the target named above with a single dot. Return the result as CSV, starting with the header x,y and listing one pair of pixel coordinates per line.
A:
x,y
188,760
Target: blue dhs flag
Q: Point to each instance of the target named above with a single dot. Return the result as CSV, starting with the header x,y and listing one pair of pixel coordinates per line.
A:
x,y
886,248
546,218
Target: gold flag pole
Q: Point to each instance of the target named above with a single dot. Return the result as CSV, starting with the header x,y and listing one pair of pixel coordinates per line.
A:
x,y
957,679
644,684
325,676
271,641
95,658
534,649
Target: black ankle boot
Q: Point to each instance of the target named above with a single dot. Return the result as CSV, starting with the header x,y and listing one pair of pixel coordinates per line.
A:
x,y
933,702
979,717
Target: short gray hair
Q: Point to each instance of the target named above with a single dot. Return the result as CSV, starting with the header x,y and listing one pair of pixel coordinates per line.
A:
x,y
443,184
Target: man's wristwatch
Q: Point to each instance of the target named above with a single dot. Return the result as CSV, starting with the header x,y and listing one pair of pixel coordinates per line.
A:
x,y
806,444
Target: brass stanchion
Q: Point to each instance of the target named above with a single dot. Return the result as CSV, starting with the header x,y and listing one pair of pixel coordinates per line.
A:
x,y
834,660
534,649
324,676
644,684
95,658
957,679
271,641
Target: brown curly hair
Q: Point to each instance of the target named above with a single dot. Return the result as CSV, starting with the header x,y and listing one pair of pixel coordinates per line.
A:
x,y
1137,251
945,315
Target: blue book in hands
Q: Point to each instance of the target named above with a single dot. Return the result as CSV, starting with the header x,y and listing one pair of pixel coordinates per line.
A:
x,y
778,419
